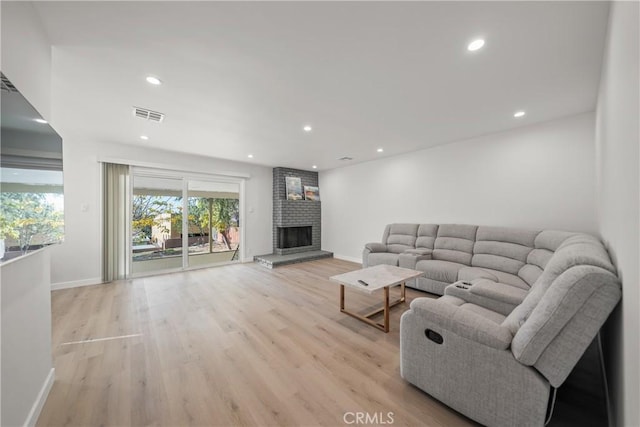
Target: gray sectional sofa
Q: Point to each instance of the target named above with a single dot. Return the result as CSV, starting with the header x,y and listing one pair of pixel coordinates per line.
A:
x,y
518,310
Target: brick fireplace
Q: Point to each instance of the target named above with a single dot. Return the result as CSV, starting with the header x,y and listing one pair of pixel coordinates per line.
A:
x,y
296,223
289,216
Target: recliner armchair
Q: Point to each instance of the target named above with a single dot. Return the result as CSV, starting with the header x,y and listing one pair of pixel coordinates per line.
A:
x,y
498,367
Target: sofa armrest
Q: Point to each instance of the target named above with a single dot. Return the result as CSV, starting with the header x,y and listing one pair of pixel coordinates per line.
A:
x,y
464,323
376,247
494,296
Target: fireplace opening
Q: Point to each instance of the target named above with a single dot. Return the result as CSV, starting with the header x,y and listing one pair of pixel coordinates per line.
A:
x,y
294,237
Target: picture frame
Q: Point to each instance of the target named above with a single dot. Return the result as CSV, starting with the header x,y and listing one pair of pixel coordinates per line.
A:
x,y
312,193
293,188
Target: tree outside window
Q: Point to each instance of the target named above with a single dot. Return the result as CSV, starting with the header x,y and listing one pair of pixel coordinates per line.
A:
x,y
29,219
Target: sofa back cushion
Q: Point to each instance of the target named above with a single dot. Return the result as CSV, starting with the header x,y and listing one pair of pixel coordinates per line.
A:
x,y
427,234
565,320
502,249
400,237
454,243
545,244
577,249
578,273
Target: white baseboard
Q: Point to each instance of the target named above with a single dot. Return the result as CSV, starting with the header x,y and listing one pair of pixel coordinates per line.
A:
x,y
76,283
34,413
348,258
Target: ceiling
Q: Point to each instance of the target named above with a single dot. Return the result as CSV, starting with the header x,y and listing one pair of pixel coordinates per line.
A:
x,y
243,78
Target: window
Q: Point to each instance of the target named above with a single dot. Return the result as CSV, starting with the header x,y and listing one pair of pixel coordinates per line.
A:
x,y
31,210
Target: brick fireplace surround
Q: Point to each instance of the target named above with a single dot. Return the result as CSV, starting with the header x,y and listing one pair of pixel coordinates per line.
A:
x,y
294,213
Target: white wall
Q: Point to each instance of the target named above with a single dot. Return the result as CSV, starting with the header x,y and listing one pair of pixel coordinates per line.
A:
x,y
618,188
25,291
27,369
26,54
78,260
539,176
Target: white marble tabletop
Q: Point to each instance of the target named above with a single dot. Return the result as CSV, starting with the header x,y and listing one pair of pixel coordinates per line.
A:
x,y
376,277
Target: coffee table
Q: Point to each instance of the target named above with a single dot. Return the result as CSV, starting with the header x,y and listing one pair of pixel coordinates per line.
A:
x,y
377,277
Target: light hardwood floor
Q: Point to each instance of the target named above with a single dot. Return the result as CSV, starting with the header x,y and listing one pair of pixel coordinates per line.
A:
x,y
233,345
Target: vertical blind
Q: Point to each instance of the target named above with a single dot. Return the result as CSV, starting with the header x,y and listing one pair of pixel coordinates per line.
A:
x,y
116,205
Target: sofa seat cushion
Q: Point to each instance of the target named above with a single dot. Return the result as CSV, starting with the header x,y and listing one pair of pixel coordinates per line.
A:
x,y
435,287
442,271
377,258
419,251
472,273
495,296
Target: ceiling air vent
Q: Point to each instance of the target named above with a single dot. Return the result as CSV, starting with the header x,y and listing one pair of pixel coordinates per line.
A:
x,y
345,158
145,113
6,85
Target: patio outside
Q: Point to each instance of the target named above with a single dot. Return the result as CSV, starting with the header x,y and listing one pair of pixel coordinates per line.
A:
x,y
157,227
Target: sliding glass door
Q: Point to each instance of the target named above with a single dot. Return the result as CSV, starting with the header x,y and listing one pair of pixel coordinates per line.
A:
x,y
214,222
156,224
179,222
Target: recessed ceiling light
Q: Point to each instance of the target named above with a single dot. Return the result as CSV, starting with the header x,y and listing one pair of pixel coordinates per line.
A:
x,y
145,137
315,166
42,121
380,150
250,156
519,114
475,45
307,128
154,80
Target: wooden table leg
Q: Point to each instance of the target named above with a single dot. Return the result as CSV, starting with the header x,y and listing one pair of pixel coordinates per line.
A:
x,y
386,309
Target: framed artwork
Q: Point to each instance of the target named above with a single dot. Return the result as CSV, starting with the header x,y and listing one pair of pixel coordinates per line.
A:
x,y
311,193
293,187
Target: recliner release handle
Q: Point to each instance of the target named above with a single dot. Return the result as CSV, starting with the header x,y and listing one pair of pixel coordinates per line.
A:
x,y
434,336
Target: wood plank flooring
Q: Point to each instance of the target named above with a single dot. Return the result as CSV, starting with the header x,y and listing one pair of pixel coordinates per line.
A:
x,y
234,345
